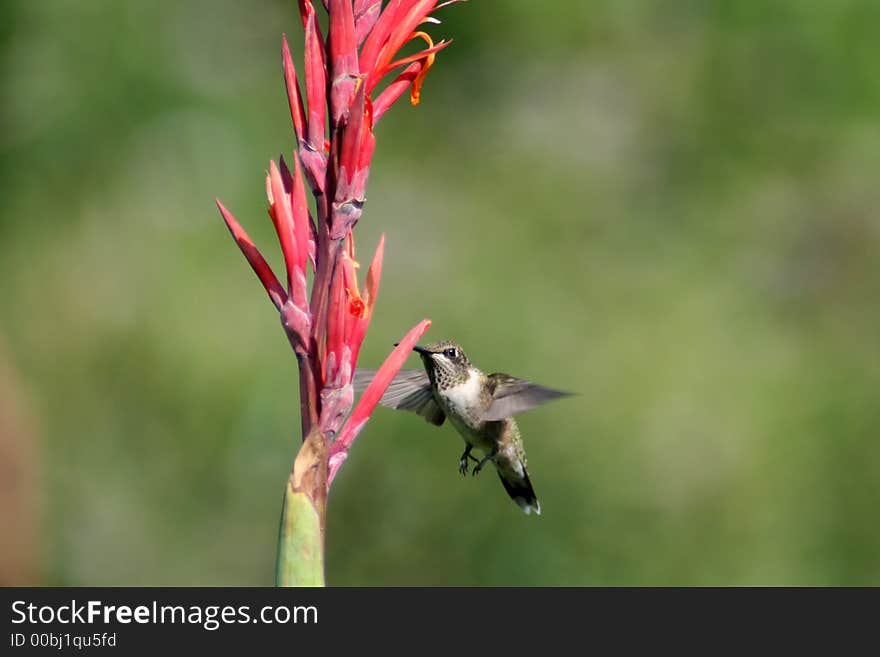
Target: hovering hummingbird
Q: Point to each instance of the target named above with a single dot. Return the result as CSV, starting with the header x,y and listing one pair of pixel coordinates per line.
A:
x,y
479,406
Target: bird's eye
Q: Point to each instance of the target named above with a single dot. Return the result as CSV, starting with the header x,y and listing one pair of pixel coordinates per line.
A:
x,y
450,353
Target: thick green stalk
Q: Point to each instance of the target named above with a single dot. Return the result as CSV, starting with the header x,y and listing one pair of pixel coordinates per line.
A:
x,y
301,535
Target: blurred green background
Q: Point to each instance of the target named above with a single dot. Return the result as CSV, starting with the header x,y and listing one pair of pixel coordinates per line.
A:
x,y
670,208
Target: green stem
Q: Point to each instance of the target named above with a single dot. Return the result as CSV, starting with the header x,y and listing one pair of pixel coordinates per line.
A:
x,y
300,542
301,534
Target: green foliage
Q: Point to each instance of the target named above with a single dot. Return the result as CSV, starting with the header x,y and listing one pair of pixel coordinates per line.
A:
x,y
669,208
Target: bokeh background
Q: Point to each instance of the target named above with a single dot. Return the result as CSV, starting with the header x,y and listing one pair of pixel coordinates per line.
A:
x,y
670,208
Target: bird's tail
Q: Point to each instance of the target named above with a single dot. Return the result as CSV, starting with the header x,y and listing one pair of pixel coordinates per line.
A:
x,y
516,483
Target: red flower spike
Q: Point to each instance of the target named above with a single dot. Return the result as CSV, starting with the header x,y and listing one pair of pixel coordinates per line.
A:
x,y
343,59
372,395
294,97
327,331
255,259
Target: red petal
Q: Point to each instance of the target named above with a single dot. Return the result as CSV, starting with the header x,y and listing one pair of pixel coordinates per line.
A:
x,y
257,262
349,156
408,16
388,21
341,35
412,58
304,6
282,218
374,274
316,80
395,90
336,316
294,97
343,58
363,312
302,222
366,13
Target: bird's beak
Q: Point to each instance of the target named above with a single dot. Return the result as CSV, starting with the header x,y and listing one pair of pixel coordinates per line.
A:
x,y
419,349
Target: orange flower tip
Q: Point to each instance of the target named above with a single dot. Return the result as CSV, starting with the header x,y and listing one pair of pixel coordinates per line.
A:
x,y
415,91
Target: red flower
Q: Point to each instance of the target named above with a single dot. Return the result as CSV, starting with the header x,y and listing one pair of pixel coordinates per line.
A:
x,y
327,327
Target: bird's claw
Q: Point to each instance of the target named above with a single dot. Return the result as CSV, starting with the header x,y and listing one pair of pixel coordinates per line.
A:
x,y
489,457
463,461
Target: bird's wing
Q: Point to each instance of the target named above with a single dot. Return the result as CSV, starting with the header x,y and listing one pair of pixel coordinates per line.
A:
x,y
410,390
511,395
361,379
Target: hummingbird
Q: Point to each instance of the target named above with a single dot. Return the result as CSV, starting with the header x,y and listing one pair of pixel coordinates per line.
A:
x,y
480,407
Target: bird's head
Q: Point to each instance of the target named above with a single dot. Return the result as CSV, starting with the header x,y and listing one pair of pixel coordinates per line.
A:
x,y
445,361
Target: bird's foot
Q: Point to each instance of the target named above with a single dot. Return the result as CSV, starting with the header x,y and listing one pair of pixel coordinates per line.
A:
x,y
463,461
479,466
